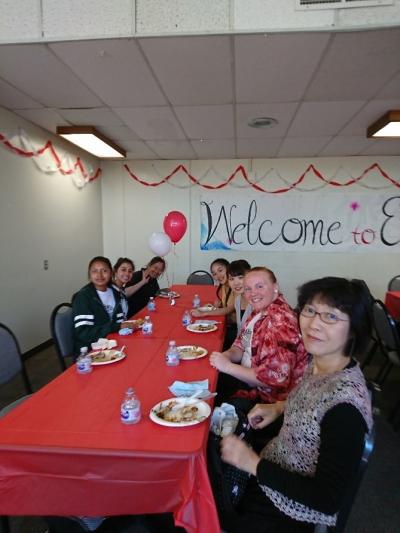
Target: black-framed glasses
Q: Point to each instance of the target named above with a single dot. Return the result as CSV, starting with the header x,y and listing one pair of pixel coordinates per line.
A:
x,y
326,316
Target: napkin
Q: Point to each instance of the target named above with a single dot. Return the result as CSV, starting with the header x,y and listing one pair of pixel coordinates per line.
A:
x,y
125,331
104,344
187,388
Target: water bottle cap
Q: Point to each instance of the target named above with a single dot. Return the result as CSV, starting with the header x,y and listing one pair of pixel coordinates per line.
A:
x,y
172,343
84,350
130,391
147,318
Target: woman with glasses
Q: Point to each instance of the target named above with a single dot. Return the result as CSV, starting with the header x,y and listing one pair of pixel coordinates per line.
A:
x,y
301,475
144,284
268,358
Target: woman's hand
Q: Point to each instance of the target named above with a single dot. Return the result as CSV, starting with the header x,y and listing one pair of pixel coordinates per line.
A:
x,y
220,361
197,313
263,414
235,452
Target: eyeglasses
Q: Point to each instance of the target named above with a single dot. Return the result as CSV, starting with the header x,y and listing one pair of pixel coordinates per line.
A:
x,y
325,316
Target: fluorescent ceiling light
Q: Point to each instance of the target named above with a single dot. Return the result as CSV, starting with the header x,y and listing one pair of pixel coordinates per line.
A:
x,y
91,140
386,126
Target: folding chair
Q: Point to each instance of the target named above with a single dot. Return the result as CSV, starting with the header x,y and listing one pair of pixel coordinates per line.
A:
x,y
200,277
61,327
394,284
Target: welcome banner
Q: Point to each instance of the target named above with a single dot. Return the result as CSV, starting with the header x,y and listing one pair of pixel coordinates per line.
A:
x,y
301,222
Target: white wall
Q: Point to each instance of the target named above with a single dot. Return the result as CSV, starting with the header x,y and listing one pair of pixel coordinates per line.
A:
x,y
42,216
131,212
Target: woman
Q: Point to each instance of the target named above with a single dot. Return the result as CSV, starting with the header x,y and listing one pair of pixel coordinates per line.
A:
x,y
268,357
219,271
123,271
96,307
302,474
145,284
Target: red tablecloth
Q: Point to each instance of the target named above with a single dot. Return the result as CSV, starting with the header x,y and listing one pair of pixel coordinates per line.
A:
x,y
65,452
392,302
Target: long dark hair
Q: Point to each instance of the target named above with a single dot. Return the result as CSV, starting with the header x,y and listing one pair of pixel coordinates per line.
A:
x,y
349,296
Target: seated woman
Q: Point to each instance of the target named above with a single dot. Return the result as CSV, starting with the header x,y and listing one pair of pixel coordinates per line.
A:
x,y
122,274
219,271
144,284
268,358
238,308
301,475
96,307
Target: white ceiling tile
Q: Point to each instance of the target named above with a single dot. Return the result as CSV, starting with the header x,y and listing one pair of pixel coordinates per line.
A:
x,y
391,90
322,118
215,149
100,116
114,68
383,147
258,147
192,70
356,65
283,113
152,123
119,133
14,99
172,149
302,147
276,68
368,115
138,150
48,119
44,77
342,146
206,122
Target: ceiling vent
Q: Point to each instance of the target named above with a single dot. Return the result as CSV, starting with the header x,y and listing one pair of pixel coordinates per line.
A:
x,y
339,4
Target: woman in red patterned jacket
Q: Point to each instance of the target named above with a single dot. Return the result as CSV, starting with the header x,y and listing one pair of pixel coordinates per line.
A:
x,y
268,358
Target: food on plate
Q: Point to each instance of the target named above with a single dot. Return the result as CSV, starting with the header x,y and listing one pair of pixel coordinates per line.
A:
x,y
190,351
202,327
133,324
165,293
104,356
171,412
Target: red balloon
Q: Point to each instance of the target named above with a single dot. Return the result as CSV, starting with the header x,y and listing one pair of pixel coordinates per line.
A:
x,y
175,225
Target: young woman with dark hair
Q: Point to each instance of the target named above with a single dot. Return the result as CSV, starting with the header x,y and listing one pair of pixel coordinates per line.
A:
x,y
96,307
144,284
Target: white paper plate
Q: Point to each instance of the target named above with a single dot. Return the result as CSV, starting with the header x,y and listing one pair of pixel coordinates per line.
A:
x,y
110,356
198,327
186,353
164,294
202,414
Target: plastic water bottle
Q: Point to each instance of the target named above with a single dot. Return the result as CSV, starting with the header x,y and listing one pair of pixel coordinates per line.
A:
x,y
196,301
147,328
186,318
84,362
151,306
130,408
172,355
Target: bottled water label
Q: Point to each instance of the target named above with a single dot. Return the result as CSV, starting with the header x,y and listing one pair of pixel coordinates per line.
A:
x,y
196,301
84,365
130,415
147,328
186,319
151,306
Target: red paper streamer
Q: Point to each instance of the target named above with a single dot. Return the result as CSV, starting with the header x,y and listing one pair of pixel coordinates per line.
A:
x,y
241,171
49,146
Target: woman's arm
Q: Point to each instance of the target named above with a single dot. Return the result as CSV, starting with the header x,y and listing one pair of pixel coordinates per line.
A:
x,y
223,364
341,445
134,288
263,414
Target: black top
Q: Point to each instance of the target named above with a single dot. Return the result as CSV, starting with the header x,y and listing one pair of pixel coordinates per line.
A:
x,y
342,441
137,301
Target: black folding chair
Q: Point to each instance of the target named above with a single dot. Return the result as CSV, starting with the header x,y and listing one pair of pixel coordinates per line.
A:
x,y
61,327
200,277
394,284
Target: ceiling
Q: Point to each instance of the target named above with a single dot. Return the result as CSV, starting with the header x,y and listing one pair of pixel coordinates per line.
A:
x,y
191,97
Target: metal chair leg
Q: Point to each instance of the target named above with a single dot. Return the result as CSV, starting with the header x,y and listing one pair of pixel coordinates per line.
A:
x,y
5,524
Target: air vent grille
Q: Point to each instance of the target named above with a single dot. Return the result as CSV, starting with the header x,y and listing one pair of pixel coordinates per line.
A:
x,y
339,4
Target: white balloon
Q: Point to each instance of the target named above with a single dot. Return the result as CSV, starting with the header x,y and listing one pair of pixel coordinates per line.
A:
x,y
160,244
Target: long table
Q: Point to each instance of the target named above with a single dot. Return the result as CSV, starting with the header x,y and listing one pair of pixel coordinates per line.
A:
x,y
392,302
65,452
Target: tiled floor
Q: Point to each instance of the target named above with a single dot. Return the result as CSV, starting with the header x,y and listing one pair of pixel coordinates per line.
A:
x,y
376,509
